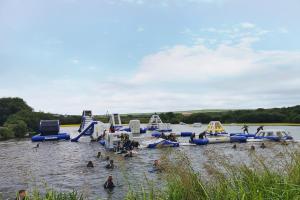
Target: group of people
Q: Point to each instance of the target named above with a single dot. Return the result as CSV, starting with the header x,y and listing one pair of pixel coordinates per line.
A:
x,y
109,165
252,146
202,135
245,129
171,137
125,146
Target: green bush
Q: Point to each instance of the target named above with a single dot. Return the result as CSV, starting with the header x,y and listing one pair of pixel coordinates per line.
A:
x,y
6,133
19,127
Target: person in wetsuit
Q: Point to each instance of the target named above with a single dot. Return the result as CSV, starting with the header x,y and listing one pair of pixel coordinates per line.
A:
x,y
202,135
259,129
109,183
245,129
90,164
110,165
192,138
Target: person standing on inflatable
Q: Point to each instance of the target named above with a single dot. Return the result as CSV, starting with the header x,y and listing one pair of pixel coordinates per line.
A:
x,y
245,129
259,129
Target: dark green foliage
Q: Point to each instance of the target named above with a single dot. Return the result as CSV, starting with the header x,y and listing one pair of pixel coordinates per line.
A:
x,y
9,106
6,133
18,127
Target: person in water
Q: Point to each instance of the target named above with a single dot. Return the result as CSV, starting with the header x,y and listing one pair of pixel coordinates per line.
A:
x,y
128,154
234,146
259,129
202,135
109,183
163,136
245,129
99,154
90,164
172,137
107,159
252,148
110,165
119,147
156,163
21,195
262,145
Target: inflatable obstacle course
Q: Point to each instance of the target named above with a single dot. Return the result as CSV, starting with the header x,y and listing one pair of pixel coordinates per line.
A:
x,y
49,130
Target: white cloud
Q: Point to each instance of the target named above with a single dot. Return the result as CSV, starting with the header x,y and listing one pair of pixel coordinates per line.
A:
x,y
247,25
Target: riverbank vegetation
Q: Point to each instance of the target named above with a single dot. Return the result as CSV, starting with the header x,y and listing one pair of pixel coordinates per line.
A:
x,y
225,181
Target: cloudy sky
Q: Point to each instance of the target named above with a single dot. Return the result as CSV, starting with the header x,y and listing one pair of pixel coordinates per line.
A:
x,y
64,56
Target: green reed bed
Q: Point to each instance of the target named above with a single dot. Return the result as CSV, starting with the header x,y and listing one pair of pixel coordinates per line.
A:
x,y
226,181
53,195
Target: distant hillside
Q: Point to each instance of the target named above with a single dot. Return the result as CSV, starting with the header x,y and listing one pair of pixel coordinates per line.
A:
x,y
260,115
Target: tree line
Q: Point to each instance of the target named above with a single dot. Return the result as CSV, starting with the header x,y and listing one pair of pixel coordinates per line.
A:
x,y
17,118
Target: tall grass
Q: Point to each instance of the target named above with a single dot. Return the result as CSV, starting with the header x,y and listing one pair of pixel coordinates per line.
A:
x,y
225,182
54,195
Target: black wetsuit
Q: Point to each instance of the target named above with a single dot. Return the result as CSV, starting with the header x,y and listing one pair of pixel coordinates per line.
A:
x,y
109,185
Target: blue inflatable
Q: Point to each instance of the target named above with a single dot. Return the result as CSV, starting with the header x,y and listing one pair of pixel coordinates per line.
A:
x,y
238,138
201,141
214,140
164,130
102,142
143,130
243,134
59,136
162,143
186,134
156,134
182,134
272,138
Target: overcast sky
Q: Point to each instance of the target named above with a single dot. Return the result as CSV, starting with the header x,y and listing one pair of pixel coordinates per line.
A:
x,y
126,56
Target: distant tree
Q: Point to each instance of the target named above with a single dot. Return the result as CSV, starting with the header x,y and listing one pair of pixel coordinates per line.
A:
x,y
10,106
18,127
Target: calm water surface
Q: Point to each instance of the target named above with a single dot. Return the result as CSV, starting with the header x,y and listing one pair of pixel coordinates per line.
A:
x,y
62,165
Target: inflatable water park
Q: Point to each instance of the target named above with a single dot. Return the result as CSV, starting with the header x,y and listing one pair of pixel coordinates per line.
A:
x,y
113,136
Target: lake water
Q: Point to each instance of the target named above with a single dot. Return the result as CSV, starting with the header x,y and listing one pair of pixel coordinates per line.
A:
x,y
62,165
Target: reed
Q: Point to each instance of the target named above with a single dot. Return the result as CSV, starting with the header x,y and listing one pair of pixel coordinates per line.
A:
x,y
227,181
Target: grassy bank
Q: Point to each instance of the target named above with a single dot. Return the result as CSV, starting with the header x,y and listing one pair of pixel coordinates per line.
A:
x,y
53,195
